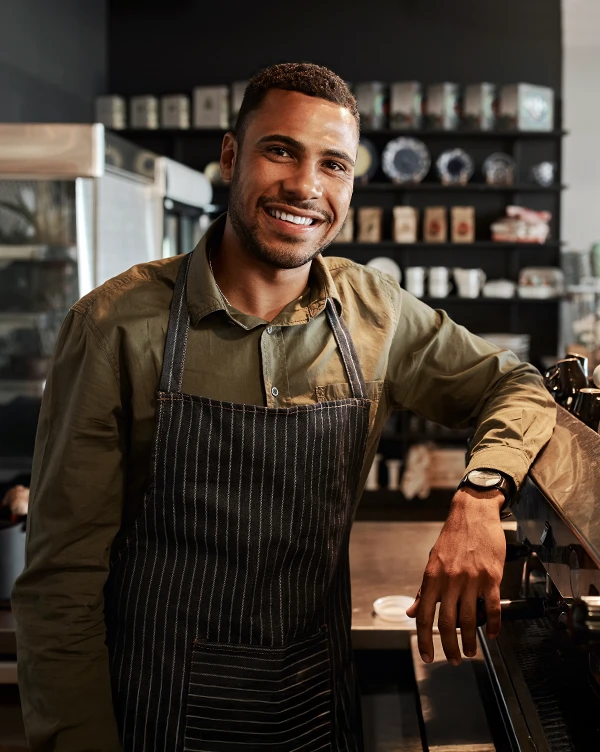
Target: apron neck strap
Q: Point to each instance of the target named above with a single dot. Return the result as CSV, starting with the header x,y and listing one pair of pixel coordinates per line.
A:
x,y
177,336
349,356
177,333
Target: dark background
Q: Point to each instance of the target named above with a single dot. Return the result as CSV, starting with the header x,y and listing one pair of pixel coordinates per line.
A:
x,y
165,47
53,59
56,55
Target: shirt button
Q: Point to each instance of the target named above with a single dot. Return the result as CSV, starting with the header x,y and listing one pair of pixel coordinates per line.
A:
x,y
275,391
269,330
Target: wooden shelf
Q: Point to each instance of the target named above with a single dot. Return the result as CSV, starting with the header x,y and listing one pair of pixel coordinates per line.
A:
x,y
468,188
471,301
496,134
366,132
478,245
389,187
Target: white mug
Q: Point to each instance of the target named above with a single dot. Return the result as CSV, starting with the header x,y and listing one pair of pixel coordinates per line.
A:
x,y
415,280
469,282
439,281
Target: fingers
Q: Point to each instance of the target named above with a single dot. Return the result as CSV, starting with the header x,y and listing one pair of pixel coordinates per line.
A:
x,y
491,595
447,625
468,620
411,611
425,615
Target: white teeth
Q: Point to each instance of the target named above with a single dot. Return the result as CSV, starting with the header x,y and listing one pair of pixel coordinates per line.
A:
x,y
293,218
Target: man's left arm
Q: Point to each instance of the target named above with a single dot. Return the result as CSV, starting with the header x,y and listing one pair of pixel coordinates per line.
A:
x,y
445,374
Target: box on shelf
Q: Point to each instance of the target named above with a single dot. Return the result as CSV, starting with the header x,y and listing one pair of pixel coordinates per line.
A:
x,y
143,112
211,107
372,102
346,234
479,106
369,224
406,105
443,106
463,224
175,111
522,225
406,221
238,89
435,225
111,111
526,107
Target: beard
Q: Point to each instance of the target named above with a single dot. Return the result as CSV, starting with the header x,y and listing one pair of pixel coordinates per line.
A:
x,y
281,255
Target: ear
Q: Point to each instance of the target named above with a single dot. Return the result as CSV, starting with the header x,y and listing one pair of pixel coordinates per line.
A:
x,y
229,152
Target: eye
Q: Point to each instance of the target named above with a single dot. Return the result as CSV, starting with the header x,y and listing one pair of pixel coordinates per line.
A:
x,y
279,151
335,166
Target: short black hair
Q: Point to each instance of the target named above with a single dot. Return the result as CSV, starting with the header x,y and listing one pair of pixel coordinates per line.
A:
x,y
306,78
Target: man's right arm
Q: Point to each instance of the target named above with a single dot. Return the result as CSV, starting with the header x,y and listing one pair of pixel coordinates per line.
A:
x,y
74,514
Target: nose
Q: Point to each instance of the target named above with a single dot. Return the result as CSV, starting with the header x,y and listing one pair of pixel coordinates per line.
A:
x,y
303,182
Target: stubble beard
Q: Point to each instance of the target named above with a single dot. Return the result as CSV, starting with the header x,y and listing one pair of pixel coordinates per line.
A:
x,y
282,256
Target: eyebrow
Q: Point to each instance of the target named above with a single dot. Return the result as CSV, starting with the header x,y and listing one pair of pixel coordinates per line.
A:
x,y
289,141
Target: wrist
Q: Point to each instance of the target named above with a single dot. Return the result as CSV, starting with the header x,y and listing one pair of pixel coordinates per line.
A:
x,y
487,500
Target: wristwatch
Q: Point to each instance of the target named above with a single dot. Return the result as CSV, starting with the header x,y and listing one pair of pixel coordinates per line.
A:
x,y
485,479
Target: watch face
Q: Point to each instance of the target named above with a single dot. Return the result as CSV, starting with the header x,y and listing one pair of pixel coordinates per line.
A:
x,y
485,478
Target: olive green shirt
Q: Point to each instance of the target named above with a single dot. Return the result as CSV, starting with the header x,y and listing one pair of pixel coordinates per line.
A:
x,y
92,456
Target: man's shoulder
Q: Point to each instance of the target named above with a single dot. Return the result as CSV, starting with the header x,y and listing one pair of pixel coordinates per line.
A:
x,y
138,288
375,288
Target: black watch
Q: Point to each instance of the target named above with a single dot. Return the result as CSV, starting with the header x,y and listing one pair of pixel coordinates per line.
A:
x,y
484,479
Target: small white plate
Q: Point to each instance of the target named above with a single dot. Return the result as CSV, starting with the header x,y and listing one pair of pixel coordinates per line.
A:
x,y
388,266
393,608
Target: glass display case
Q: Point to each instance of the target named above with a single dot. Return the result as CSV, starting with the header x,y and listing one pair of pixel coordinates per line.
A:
x,y
39,282
77,207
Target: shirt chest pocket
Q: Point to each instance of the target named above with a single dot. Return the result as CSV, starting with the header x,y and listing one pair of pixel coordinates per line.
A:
x,y
332,392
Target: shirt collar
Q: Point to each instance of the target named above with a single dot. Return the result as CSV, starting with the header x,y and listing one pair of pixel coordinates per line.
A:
x,y
204,297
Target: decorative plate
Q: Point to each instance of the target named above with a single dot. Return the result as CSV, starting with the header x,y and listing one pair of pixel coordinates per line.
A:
x,y
499,169
367,161
543,173
454,167
213,173
388,266
406,160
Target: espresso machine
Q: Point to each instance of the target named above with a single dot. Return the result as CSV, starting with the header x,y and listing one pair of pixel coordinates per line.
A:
x,y
536,687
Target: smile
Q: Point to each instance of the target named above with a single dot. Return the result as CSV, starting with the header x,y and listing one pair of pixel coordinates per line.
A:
x,y
295,219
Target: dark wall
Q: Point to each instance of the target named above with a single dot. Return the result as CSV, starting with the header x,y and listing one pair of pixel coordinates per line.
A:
x,y
160,47
53,59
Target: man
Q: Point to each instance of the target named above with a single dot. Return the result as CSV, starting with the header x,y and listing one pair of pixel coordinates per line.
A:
x,y
187,584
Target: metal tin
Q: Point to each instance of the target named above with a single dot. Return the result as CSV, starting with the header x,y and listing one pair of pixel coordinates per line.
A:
x,y
238,89
443,106
211,107
479,106
111,111
143,112
526,107
175,111
372,102
406,105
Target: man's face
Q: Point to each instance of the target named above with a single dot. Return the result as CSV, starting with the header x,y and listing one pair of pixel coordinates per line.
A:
x,y
292,177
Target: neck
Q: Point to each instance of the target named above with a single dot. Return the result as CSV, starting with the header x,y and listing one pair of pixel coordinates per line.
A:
x,y
251,285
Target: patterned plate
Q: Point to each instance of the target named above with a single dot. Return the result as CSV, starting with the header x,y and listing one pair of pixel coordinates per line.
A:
x,y
455,166
406,160
367,161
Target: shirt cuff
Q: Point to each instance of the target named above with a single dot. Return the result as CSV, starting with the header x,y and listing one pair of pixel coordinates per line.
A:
x,y
511,462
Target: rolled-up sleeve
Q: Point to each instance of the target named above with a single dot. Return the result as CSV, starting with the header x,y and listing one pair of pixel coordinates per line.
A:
x,y
75,512
442,372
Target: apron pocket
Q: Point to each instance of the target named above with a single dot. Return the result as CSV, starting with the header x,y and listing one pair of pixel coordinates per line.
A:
x,y
242,697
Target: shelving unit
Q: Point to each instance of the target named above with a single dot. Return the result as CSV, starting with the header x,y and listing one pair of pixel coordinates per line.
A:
x,y
539,318
467,188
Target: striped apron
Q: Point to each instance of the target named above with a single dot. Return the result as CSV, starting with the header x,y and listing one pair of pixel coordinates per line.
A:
x,y
228,605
